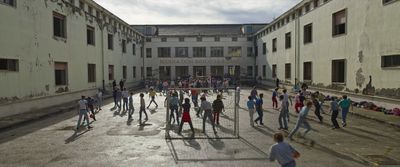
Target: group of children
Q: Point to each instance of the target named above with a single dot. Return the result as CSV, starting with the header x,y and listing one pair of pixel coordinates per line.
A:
x,y
302,107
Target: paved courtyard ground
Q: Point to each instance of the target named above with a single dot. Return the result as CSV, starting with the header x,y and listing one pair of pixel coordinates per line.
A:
x,y
115,141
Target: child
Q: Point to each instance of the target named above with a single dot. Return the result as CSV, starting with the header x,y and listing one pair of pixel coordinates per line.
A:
x,y
302,120
218,106
142,108
174,102
282,115
299,102
250,106
186,116
335,112
152,95
259,103
131,109
274,101
345,105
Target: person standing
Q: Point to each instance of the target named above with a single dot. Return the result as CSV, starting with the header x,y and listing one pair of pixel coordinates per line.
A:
x,y
259,109
152,95
206,106
302,120
99,98
114,84
83,108
121,84
217,106
165,87
254,93
174,102
119,97
335,112
131,108
274,99
142,108
194,93
277,83
344,105
250,106
237,95
317,105
186,116
287,99
282,115
114,93
283,152
125,96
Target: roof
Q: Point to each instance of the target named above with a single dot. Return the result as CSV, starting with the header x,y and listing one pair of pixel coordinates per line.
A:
x,y
200,29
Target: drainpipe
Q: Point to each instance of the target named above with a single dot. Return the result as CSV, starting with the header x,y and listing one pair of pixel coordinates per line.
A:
x,y
102,55
297,49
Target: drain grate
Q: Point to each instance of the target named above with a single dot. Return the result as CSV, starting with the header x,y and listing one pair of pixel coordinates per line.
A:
x,y
382,160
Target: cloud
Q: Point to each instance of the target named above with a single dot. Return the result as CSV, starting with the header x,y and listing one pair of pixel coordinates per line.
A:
x,y
197,11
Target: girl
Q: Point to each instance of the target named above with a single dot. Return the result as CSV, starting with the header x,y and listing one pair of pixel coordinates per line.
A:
x,y
186,116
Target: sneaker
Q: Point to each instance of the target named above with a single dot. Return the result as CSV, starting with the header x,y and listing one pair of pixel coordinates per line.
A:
x,y
256,122
90,127
261,123
344,124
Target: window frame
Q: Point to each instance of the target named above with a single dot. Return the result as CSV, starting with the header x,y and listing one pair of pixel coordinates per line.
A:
x,y
288,40
90,31
66,74
337,80
14,5
198,49
91,76
392,59
63,32
8,62
274,45
183,48
310,26
334,25
220,49
110,41
149,53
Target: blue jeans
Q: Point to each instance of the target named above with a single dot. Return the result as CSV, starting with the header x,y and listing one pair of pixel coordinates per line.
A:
x,y
290,164
260,116
345,110
282,117
300,121
82,112
125,104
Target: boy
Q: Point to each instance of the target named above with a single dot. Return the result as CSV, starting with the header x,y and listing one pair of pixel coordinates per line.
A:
x,y
259,103
250,106
142,108
282,115
345,105
302,120
125,96
152,95
274,100
335,112
83,113
283,152
218,106
206,106
131,109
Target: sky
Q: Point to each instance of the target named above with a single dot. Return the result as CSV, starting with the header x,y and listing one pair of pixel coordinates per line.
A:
x,y
197,11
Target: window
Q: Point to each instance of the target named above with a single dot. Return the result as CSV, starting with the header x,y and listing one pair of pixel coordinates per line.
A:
x,y
163,39
141,51
91,72
148,39
164,52
148,52
134,72
181,71
256,50
288,40
249,38
81,5
217,51
8,65
90,35
316,2
59,25
256,71
308,33
234,39
199,39
134,49
164,72
199,71
390,61
339,22
274,45
307,71
199,51
250,71
149,72
338,71
60,70
288,71
142,72
234,51
181,52
90,10
293,16
264,48
72,2
217,71
123,46
264,71
110,72
97,14
124,72
387,1
274,71
110,41
216,39
181,39
307,7
249,51
8,2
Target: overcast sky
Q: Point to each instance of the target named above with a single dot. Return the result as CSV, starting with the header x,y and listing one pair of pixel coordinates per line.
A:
x,y
197,11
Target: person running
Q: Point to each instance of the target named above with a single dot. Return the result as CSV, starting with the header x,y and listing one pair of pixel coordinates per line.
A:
x,y
174,102
259,109
83,108
282,116
254,93
217,106
302,120
283,152
142,108
274,99
186,116
335,112
250,106
344,105
287,99
90,104
206,106
317,105
152,95
131,108
99,98
299,99
125,96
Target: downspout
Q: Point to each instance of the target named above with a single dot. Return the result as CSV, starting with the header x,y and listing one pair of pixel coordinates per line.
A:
x,y
297,49
102,56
